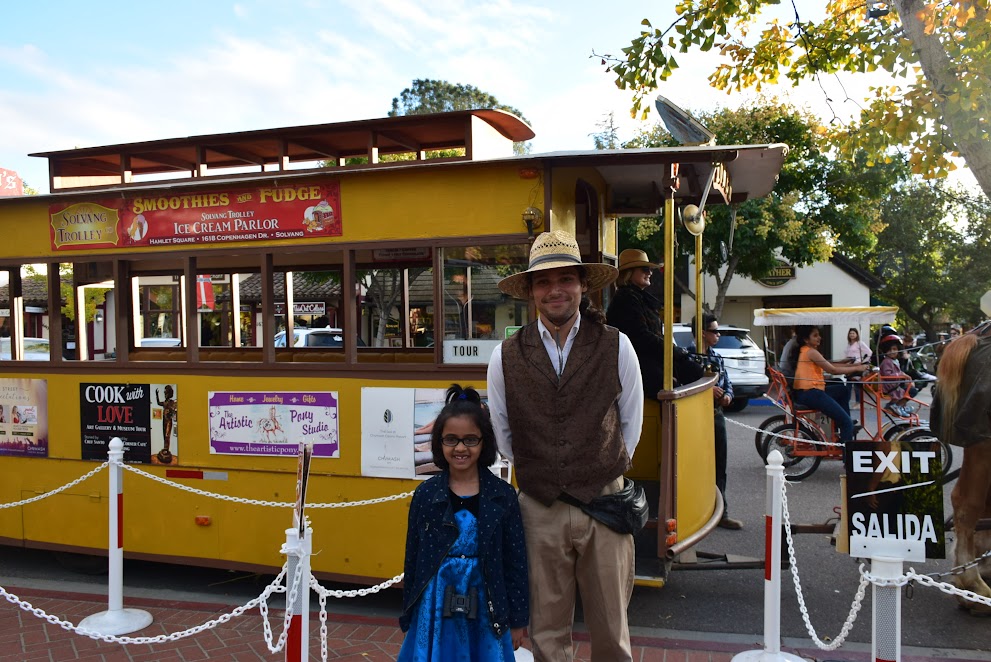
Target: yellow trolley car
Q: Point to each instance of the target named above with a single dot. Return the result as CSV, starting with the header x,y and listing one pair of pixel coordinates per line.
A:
x,y
214,300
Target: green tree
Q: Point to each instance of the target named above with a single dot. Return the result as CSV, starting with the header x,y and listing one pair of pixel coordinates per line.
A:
x,y
819,204
426,96
939,49
932,254
607,136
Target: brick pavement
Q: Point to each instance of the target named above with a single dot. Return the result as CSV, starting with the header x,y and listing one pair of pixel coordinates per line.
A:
x,y
25,637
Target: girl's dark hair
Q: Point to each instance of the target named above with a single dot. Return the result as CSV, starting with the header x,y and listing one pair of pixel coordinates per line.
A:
x,y
464,402
855,331
802,333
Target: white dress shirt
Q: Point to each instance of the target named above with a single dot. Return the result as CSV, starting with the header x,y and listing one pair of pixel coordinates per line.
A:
x,y
630,399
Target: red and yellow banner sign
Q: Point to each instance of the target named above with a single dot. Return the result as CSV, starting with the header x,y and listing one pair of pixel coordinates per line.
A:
x,y
258,214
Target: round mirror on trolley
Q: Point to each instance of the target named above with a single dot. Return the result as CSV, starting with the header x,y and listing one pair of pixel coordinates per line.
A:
x,y
693,219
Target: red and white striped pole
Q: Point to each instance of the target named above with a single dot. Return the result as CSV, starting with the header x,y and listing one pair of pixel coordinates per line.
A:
x,y
298,556
116,620
772,569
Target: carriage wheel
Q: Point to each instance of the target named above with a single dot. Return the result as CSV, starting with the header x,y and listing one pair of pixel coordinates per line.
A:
x,y
762,436
796,466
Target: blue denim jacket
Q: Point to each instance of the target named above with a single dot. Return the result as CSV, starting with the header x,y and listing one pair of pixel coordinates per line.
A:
x,y
501,548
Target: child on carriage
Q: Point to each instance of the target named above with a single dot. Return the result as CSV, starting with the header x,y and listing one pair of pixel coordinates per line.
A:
x,y
899,386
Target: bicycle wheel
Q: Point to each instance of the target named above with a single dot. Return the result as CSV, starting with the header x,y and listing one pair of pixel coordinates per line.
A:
x,y
945,451
796,465
761,435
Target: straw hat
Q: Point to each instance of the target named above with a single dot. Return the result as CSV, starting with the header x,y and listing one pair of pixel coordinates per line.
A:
x,y
632,258
553,250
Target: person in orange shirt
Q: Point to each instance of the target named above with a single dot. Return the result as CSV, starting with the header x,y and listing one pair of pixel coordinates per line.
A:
x,y
811,389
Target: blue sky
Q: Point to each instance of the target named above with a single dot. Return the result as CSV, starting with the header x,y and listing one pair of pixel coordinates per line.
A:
x,y
83,74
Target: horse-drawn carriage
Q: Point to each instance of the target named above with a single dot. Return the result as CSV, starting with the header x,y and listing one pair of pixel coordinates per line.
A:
x,y
805,437
960,416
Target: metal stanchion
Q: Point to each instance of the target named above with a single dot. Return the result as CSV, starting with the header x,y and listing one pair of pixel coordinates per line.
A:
x,y
298,552
772,570
886,631
116,620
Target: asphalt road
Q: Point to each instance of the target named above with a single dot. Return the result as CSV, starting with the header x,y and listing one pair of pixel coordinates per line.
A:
x,y
709,601
731,600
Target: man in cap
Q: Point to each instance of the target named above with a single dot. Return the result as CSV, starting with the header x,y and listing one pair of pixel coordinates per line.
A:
x,y
566,400
722,394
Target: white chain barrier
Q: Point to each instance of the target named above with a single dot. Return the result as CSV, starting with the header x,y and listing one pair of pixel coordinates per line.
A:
x,y
260,601
25,502
255,502
274,644
857,600
814,442
324,593
927,580
212,495
768,433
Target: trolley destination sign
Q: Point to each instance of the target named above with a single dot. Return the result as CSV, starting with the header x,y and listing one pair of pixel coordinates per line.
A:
x,y
305,211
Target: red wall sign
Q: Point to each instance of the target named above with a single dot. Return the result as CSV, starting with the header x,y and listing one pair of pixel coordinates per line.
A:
x,y
305,211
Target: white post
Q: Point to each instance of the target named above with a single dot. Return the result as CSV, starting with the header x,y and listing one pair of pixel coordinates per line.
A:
x,y
772,569
116,620
298,552
886,631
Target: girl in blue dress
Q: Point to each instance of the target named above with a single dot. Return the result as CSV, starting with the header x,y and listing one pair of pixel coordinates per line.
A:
x,y
465,590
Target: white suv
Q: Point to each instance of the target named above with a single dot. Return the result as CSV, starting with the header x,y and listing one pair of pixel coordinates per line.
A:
x,y
744,361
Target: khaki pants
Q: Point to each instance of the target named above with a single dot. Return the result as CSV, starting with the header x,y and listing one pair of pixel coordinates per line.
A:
x,y
567,549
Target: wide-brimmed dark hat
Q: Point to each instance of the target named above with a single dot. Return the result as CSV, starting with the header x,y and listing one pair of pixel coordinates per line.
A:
x,y
632,258
553,250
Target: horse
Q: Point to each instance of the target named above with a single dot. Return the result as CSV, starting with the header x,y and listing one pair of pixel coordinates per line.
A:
x,y
962,417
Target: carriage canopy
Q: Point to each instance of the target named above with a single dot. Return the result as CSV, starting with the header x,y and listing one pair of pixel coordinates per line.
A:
x,y
820,316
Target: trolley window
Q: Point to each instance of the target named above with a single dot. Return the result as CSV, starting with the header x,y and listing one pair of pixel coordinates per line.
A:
x,y
477,315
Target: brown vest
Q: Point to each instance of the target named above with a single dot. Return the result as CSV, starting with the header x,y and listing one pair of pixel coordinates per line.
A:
x,y
567,435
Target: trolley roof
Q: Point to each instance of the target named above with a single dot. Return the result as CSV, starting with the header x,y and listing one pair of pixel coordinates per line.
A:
x,y
816,316
315,142
636,178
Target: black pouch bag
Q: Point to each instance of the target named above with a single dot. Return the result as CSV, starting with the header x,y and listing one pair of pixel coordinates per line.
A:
x,y
624,511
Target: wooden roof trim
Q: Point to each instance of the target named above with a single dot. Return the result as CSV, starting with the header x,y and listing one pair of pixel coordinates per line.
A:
x,y
507,124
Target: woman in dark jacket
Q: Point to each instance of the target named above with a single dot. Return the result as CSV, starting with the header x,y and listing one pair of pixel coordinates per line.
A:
x,y
634,311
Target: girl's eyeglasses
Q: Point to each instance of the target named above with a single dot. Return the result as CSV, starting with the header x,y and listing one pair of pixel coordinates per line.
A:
x,y
470,441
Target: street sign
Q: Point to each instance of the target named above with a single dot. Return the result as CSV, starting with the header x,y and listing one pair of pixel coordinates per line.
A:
x,y
895,501
986,303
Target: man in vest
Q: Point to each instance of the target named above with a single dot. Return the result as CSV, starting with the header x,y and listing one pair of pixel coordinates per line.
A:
x,y
566,399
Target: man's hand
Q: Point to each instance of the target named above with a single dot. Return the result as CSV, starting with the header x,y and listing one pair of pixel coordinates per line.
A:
x,y
719,395
517,635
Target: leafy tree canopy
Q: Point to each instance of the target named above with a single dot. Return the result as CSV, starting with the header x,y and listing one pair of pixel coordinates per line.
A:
x,y
818,205
932,254
938,48
426,96
438,96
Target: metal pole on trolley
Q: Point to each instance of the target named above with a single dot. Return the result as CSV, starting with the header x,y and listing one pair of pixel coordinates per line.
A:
x,y
116,620
772,569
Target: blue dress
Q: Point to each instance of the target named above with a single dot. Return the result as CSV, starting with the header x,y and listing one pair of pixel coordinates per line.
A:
x,y
433,638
